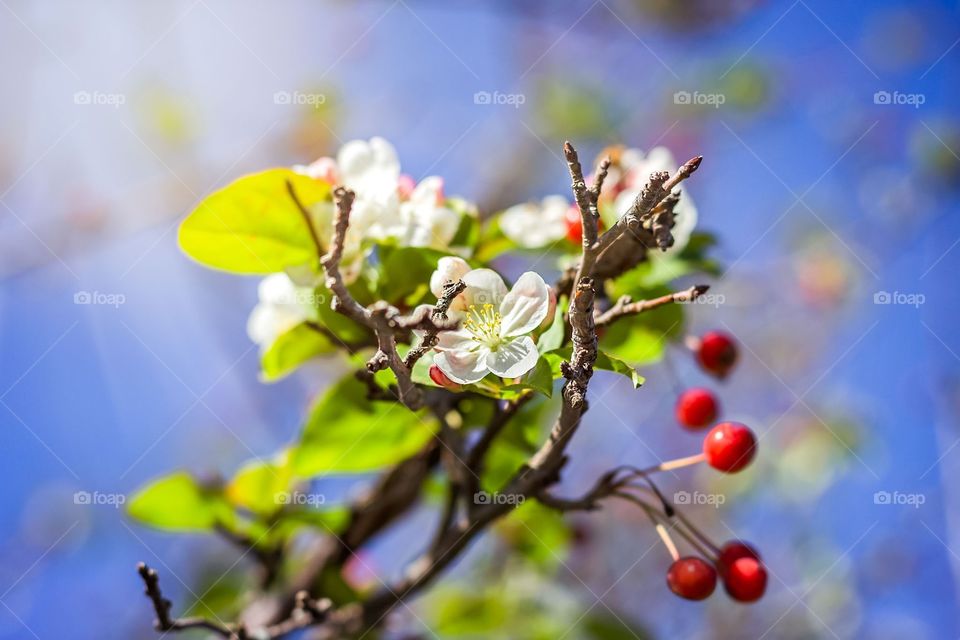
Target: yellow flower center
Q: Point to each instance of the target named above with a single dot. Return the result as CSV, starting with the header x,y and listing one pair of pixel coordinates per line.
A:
x,y
484,323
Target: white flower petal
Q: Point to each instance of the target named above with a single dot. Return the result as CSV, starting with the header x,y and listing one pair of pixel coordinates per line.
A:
x,y
428,225
684,222
532,226
277,288
514,358
267,322
371,168
429,193
449,269
525,307
465,367
484,286
659,159
458,340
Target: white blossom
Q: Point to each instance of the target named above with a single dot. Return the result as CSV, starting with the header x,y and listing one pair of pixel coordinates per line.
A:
x,y
282,306
495,323
533,225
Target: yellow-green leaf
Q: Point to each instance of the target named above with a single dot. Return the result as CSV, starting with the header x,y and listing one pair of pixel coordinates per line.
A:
x,y
176,502
347,433
253,226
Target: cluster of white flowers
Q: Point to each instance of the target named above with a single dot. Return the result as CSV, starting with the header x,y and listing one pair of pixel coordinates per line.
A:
x,y
533,225
494,323
389,206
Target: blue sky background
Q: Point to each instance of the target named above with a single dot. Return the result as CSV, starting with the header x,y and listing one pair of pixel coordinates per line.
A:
x,y
821,197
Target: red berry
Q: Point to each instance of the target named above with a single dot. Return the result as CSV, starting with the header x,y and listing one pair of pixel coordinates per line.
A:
x,y
696,408
733,551
717,353
574,225
729,447
441,380
691,578
746,580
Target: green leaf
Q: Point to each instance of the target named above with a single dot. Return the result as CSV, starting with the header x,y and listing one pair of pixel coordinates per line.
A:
x,y
515,444
257,485
537,533
291,349
177,503
252,225
347,433
607,362
552,338
540,378
662,269
604,362
404,273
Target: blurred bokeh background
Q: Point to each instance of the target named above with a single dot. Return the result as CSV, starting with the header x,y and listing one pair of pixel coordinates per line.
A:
x,y
831,135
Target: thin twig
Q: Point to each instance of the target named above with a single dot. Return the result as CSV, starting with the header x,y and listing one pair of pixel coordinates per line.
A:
x,y
161,606
450,291
625,306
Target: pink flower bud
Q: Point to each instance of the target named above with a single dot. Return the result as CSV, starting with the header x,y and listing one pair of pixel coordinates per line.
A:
x,y
324,169
441,380
405,186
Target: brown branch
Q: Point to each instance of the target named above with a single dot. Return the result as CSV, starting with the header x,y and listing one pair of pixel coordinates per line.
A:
x,y
343,301
381,317
658,187
161,606
625,306
386,356
439,313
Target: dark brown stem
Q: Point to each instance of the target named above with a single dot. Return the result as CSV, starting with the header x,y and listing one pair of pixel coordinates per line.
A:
x,y
625,306
161,606
450,291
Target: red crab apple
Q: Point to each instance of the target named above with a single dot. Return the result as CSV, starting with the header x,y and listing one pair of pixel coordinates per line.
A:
x,y
732,551
745,580
696,408
717,353
729,447
691,578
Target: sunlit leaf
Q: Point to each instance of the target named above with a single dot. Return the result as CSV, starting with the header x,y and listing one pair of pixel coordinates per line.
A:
x,y
347,433
259,484
252,225
293,348
176,502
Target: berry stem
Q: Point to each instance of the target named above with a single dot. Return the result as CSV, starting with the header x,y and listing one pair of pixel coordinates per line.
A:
x,y
667,540
700,535
669,465
699,540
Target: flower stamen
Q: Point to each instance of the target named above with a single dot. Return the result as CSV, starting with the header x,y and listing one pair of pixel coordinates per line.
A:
x,y
483,323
